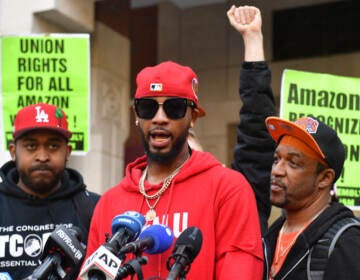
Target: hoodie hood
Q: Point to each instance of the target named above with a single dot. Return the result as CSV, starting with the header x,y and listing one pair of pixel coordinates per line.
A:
x,y
198,162
71,182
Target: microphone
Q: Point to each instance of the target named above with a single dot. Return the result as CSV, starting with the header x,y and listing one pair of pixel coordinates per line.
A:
x,y
63,253
186,248
104,263
154,239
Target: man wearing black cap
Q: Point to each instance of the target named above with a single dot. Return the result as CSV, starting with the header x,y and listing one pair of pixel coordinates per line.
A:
x,y
37,191
307,161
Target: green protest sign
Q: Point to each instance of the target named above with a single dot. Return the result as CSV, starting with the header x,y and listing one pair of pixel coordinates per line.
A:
x,y
334,100
52,68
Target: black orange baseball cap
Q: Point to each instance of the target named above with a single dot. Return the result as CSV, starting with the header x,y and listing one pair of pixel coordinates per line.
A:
x,y
315,134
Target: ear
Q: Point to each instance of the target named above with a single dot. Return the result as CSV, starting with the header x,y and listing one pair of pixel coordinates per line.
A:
x,y
194,116
136,116
12,150
325,178
134,111
68,152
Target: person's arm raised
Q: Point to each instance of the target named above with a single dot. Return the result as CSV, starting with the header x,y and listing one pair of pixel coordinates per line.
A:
x,y
247,21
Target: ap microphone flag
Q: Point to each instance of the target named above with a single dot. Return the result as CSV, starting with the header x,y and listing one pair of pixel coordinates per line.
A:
x,y
104,263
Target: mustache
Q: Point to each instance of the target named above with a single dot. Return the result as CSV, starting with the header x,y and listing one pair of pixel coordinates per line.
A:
x,y
276,181
159,129
41,167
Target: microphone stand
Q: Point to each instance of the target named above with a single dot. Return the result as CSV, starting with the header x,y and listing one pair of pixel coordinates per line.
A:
x,y
131,267
46,268
181,270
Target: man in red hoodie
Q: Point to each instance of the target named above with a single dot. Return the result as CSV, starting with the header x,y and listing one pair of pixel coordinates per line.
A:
x,y
180,187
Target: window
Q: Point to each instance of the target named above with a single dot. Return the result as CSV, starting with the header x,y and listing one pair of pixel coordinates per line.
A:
x,y
317,30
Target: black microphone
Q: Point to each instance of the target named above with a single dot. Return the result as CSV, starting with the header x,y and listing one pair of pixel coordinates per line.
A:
x,y
154,239
62,255
186,248
104,263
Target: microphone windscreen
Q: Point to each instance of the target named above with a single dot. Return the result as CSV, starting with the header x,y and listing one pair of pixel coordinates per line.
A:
x,y
131,220
64,240
192,239
162,236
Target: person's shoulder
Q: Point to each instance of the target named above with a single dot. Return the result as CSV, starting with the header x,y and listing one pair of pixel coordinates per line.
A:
x,y
7,167
339,209
230,172
342,218
206,158
215,166
93,195
229,177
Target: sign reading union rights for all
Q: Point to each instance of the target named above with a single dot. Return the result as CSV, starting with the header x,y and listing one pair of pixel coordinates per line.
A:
x,y
52,68
334,100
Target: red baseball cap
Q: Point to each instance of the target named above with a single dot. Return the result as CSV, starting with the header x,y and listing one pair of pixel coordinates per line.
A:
x,y
169,79
41,116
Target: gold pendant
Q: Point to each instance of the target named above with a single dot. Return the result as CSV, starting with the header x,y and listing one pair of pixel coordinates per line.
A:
x,y
150,215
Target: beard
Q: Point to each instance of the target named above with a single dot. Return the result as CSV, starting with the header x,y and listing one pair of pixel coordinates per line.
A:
x,y
42,185
279,198
280,203
165,157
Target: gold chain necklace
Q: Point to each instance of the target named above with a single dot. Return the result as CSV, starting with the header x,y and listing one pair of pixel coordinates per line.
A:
x,y
151,213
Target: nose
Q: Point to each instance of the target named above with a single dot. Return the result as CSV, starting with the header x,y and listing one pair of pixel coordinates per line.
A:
x,y
160,115
42,154
278,168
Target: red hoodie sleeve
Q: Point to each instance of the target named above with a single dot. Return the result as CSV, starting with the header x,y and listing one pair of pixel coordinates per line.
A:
x,y
250,266
239,248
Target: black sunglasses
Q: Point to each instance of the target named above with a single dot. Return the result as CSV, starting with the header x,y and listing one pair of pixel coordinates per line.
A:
x,y
175,108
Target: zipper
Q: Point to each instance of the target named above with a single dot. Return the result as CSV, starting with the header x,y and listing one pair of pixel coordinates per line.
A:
x,y
297,263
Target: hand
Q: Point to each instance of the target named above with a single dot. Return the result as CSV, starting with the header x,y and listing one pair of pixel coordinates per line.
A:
x,y
245,19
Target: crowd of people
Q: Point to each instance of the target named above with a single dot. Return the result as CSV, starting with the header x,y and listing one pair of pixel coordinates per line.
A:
x,y
290,165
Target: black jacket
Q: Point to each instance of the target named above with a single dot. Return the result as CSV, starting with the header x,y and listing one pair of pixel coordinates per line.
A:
x,y
253,153
343,262
27,221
